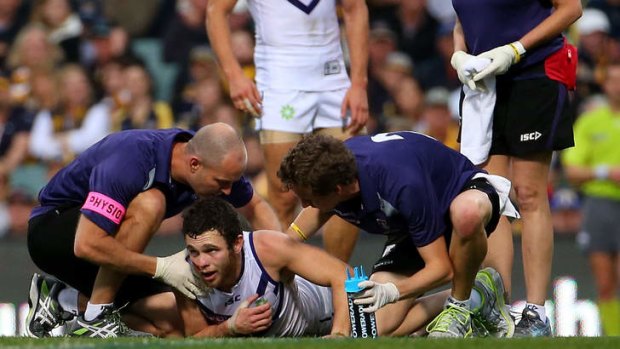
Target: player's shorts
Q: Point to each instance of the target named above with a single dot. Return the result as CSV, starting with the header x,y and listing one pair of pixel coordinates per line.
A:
x,y
401,256
51,237
531,116
601,226
301,112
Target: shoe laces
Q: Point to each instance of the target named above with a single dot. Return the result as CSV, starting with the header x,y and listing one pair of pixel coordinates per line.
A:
x,y
452,313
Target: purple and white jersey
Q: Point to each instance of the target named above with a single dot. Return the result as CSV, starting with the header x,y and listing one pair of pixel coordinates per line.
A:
x,y
491,23
106,177
407,182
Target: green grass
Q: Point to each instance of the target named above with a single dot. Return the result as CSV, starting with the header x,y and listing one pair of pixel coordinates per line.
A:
x,y
312,343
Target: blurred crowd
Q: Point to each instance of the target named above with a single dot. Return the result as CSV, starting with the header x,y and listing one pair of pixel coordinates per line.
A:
x,y
72,71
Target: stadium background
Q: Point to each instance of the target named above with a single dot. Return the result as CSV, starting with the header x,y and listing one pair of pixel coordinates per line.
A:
x,y
60,57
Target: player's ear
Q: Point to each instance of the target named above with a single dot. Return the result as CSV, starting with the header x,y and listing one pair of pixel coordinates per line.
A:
x,y
238,245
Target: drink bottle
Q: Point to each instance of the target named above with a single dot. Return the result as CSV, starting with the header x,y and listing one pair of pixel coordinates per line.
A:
x,y
363,325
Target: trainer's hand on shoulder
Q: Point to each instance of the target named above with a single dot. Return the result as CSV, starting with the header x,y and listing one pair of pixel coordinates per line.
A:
x,y
375,295
355,101
175,271
245,96
249,319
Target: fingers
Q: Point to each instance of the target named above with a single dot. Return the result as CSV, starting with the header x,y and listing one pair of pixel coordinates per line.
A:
x,y
366,284
471,84
370,309
490,69
249,107
187,292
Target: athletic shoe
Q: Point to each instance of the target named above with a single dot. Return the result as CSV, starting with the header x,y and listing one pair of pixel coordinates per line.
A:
x,y
453,322
45,313
532,326
493,313
107,325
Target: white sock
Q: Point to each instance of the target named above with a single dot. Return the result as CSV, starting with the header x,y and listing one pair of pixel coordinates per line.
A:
x,y
539,309
475,299
463,304
68,299
93,310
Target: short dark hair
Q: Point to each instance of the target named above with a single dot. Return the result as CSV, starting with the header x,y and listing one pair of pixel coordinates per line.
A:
x,y
319,162
212,213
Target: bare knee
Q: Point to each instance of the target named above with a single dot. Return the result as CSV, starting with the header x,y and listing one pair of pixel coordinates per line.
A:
x,y
469,213
529,197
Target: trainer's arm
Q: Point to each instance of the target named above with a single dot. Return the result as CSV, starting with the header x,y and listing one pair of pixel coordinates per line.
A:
x,y
437,271
565,13
260,214
144,214
280,254
307,223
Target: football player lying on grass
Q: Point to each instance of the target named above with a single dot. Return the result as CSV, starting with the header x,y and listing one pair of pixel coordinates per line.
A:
x,y
259,283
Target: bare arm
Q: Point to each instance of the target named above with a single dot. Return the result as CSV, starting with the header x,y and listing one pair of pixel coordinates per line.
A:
x,y
436,272
566,13
459,37
578,175
280,255
309,220
194,323
144,214
356,26
241,87
260,214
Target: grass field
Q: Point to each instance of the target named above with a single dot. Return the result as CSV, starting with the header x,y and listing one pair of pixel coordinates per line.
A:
x,y
310,343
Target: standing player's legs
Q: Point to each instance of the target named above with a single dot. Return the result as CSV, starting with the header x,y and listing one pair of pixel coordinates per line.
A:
x,y
287,116
339,236
530,184
276,145
500,254
532,131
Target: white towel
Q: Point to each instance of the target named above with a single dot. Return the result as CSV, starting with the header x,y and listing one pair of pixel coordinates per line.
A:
x,y
477,114
502,187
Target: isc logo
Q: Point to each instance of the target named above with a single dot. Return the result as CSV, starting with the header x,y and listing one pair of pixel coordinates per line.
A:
x,y
526,137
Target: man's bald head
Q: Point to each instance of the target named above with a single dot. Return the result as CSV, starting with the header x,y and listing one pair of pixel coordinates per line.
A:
x,y
213,142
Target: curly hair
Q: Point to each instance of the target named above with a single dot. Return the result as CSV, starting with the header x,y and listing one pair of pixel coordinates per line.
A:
x,y
212,213
318,162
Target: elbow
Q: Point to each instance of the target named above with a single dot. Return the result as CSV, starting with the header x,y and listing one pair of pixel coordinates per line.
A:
x,y
87,251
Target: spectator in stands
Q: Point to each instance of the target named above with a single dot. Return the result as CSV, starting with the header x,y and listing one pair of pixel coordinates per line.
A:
x,y
63,26
437,120
15,124
142,110
13,16
71,126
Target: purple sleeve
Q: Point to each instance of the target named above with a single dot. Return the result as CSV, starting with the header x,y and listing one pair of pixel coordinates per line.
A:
x,y
240,194
112,186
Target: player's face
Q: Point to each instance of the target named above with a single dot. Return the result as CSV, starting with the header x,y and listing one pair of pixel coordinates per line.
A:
x,y
212,259
215,180
322,202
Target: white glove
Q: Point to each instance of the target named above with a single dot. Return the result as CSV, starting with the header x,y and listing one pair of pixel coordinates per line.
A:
x,y
176,272
376,295
458,60
502,58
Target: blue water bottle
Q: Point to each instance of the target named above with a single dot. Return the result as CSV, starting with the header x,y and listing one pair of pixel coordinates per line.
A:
x,y
363,325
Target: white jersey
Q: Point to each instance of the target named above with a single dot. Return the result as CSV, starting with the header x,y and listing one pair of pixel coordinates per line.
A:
x,y
298,45
300,307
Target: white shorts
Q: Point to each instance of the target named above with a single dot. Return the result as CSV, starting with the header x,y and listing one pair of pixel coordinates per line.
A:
x,y
300,111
